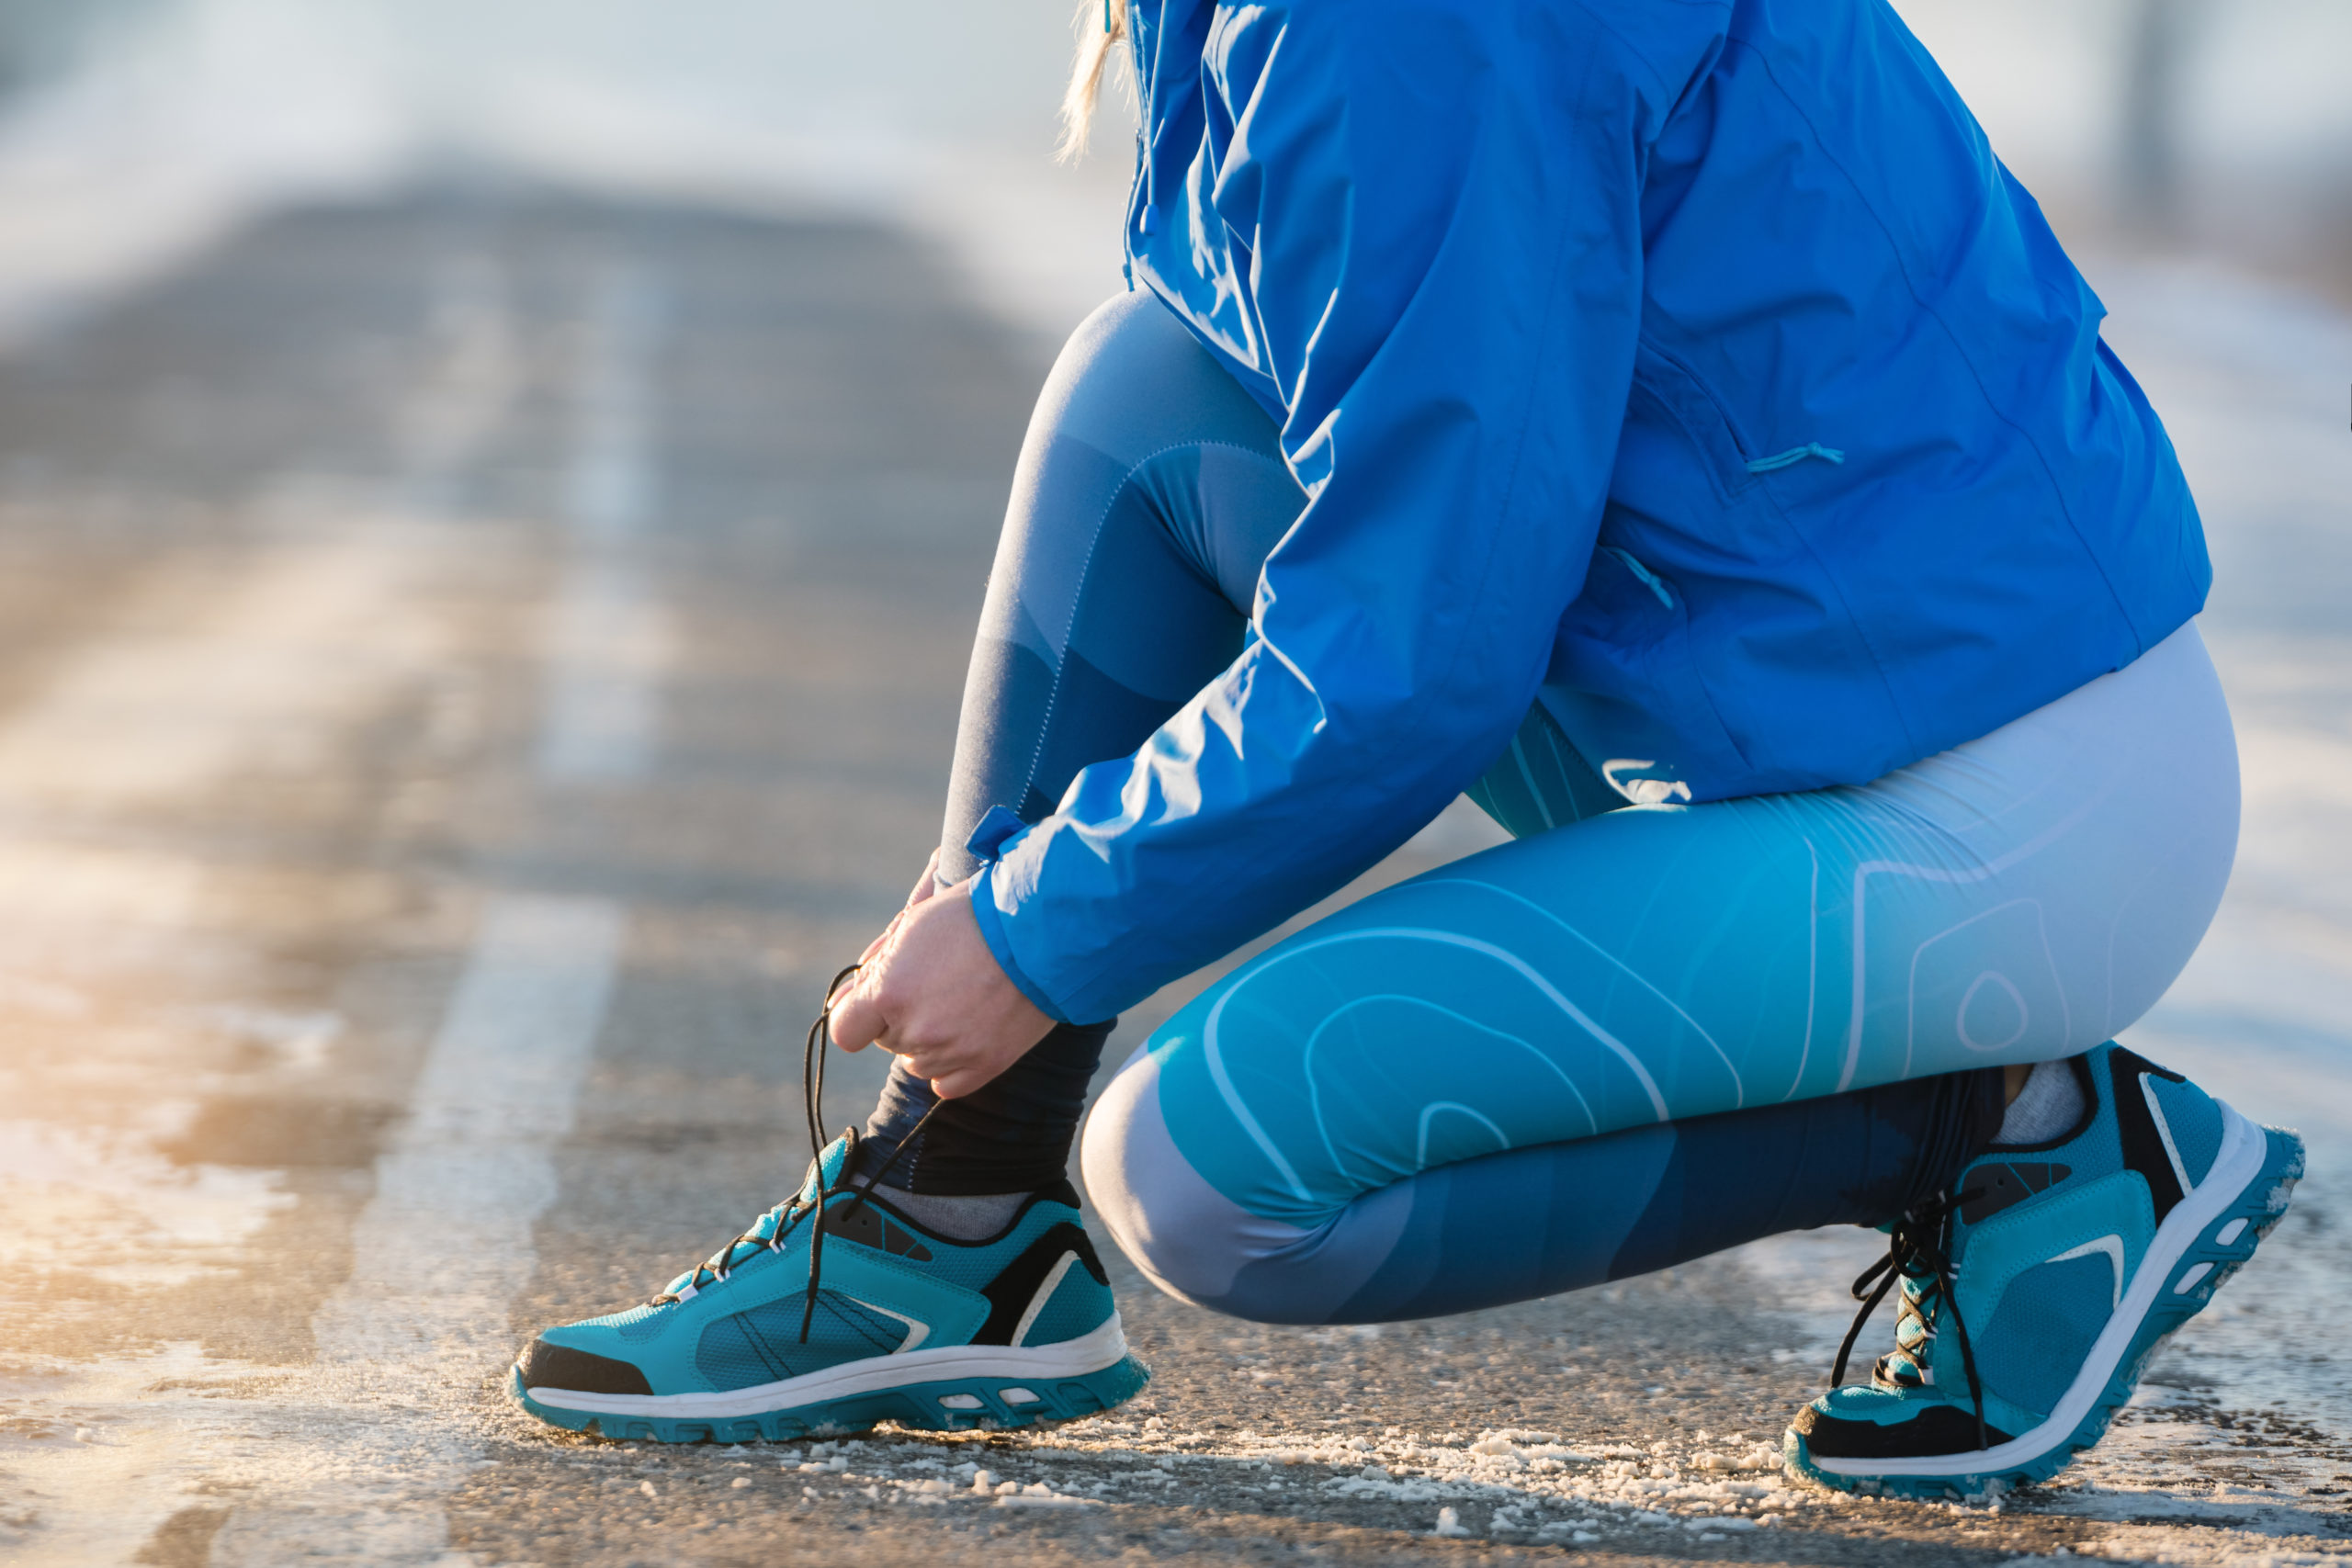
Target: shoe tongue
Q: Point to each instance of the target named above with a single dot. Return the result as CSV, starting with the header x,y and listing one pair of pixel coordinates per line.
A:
x,y
825,1171
1922,1305
738,1252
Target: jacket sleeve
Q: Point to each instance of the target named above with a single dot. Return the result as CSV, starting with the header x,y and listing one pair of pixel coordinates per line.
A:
x,y
1436,211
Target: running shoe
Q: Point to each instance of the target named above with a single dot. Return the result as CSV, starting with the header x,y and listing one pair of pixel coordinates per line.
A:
x,y
2034,1294
834,1311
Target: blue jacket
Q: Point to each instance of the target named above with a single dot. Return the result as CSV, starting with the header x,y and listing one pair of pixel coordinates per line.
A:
x,y
1690,365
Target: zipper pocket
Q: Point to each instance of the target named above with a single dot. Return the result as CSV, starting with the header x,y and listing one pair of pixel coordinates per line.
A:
x,y
1649,578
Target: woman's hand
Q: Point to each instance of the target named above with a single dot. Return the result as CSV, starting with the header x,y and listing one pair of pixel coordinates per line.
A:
x,y
930,990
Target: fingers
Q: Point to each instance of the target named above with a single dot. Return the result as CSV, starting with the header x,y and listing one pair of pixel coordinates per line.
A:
x,y
855,1018
863,1017
962,1081
951,1073
931,991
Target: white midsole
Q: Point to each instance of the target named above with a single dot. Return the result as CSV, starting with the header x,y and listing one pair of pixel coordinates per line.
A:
x,y
1090,1352
2243,1148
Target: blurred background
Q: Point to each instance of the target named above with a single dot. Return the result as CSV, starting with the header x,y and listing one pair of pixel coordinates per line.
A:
x,y
133,129
2187,125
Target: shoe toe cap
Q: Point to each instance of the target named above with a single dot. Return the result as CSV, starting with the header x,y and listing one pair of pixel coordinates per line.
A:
x,y
546,1364
1868,1423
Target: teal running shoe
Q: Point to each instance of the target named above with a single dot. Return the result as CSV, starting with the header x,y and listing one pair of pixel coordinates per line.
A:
x,y
835,1311
2034,1294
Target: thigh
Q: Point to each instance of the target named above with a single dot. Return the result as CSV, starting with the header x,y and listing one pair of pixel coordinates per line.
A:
x,y
1149,491
2016,901
1649,964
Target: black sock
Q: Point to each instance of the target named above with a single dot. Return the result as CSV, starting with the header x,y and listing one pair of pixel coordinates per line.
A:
x,y
1011,1136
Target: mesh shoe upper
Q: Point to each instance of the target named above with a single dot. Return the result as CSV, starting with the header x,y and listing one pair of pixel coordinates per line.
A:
x,y
884,1285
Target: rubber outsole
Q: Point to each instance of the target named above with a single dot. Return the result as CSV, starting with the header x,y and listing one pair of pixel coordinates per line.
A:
x,y
2204,1265
918,1404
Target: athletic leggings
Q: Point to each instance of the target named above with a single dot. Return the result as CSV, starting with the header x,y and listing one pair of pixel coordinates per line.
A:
x,y
1637,1033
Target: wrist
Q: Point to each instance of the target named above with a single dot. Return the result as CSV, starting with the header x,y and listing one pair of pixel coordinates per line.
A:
x,y
991,920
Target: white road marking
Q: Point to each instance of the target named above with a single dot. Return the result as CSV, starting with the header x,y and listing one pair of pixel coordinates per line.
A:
x,y
473,375
213,673
446,1244
608,637
443,1247
353,1457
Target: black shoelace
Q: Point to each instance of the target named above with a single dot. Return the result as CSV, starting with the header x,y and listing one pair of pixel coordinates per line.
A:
x,y
1914,1250
812,1091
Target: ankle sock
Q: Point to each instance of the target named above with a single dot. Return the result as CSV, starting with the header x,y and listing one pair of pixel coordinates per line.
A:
x,y
960,1218
2046,1108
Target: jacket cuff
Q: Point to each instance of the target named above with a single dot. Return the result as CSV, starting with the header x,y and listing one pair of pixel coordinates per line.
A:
x,y
993,932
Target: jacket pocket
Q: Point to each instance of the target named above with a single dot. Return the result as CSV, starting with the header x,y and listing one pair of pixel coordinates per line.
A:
x,y
1683,399
1646,719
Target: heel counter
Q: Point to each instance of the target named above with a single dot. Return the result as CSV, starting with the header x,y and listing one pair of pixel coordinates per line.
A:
x,y
2191,1119
2149,1148
1068,1307
1061,1263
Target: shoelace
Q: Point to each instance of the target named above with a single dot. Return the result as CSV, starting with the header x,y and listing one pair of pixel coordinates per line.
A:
x,y
1914,1250
722,1263
813,1078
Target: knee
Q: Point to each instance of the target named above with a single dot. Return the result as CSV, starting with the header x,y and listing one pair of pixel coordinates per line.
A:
x,y
1201,1246
1156,1207
1133,380
1184,1236
1128,342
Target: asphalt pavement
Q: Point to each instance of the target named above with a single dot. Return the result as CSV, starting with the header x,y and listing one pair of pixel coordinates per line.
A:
x,y
473,665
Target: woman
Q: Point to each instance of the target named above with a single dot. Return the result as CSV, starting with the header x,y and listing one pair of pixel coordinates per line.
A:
x,y
1670,425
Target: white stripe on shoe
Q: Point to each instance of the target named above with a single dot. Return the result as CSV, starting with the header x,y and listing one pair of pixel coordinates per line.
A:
x,y
2164,1135
1044,1294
